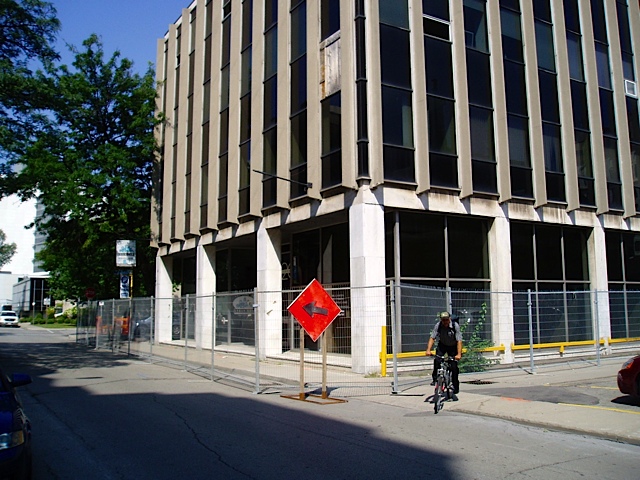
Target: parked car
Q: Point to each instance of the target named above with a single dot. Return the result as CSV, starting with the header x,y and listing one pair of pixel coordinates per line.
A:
x,y
142,329
15,429
629,377
9,319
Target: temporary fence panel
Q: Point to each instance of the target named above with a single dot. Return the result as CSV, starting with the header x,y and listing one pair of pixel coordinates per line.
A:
x,y
265,355
624,307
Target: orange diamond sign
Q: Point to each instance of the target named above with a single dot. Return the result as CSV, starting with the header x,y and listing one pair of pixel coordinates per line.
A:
x,y
314,309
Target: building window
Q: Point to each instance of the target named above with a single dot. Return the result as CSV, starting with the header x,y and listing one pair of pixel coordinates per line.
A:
x,y
270,145
483,161
223,161
516,94
298,81
549,102
332,141
329,18
631,102
633,120
443,159
552,262
579,105
397,110
623,272
607,110
244,186
439,250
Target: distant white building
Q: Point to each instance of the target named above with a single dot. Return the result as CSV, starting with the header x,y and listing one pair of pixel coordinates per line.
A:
x,y
15,215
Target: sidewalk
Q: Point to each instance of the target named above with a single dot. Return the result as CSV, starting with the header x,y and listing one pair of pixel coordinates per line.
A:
x,y
515,394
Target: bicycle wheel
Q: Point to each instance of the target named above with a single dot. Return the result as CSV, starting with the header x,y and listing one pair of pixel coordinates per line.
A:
x,y
438,396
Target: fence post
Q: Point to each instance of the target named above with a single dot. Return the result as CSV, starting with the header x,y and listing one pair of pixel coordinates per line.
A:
x,y
99,326
529,304
152,324
213,334
184,319
597,332
394,349
130,323
113,324
256,333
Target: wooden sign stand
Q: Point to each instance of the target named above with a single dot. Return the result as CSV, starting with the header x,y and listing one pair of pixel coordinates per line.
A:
x,y
322,399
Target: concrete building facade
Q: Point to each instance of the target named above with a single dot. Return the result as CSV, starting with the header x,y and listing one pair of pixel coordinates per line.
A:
x,y
471,144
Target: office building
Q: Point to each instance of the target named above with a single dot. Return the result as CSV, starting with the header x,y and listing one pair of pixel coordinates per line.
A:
x,y
488,145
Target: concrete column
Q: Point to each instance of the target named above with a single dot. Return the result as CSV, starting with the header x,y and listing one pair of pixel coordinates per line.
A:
x,y
368,292
501,285
164,298
205,291
269,287
597,258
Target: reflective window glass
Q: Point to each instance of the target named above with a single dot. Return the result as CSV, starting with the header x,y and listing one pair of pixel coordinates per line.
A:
x,y
552,148
518,141
544,47
442,127
397,117
602,62
394,12
515,88
436,8
395,58
329,17
511,35
475,25
299,31
481,125
574,47
439,68
479,78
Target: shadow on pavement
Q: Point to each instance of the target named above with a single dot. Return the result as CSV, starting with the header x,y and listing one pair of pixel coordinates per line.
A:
x,y
111,430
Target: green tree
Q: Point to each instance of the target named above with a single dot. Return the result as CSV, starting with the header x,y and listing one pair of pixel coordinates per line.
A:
x,y
7,250
91,167
27,31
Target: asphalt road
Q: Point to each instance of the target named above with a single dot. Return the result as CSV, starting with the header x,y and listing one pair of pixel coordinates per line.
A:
x,y
101,416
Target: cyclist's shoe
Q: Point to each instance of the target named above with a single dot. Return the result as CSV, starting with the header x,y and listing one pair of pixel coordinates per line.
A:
x,y
454,398
433,382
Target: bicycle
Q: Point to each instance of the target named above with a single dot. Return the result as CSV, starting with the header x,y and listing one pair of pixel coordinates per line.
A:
x,y
444,383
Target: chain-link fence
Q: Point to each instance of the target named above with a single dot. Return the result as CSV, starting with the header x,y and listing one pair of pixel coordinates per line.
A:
x,y
380,332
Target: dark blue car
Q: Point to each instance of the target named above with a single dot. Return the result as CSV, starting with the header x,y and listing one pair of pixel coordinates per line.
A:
x,y
15,429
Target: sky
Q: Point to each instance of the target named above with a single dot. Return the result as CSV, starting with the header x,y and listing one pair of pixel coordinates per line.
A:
x,y
131,26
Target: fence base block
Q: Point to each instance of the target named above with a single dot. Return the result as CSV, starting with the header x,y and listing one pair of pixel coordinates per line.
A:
x,y
312,398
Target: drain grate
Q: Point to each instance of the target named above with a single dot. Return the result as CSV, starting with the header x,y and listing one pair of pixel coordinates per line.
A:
x,y
480,382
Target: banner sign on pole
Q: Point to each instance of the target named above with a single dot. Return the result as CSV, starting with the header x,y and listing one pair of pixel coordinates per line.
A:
x,y
124,286
125,253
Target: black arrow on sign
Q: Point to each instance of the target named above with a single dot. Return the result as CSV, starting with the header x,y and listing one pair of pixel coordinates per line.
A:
x,y
311,308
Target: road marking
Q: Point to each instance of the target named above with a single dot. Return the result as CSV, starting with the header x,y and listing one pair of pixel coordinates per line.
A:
x,y
595,386
599,408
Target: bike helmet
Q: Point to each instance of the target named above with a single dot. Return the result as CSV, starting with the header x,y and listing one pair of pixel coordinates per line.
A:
x,y
444,315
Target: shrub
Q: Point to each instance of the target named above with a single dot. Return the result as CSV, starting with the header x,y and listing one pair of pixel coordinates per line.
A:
x,y
474,360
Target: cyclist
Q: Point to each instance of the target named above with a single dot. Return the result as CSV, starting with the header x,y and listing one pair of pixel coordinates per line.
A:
x,y
449,337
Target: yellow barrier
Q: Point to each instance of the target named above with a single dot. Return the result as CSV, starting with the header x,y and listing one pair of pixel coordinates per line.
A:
x,y
384,356
562,345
